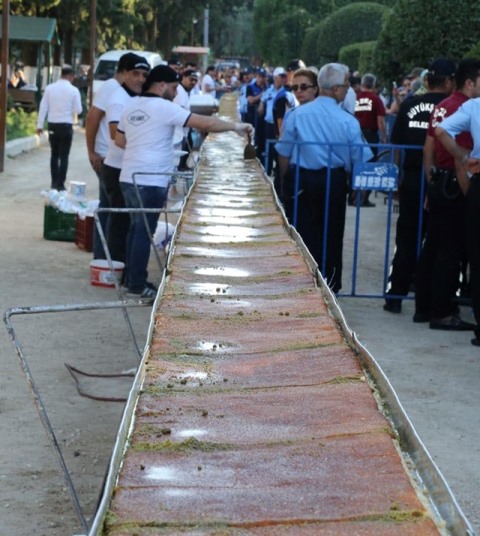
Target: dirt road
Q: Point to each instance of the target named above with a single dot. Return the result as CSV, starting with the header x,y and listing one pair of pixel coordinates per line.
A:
x,y
436,375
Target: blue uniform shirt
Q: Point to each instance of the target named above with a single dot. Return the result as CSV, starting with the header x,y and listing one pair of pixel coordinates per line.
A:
x,y
323,121
242,99
267,98
466,118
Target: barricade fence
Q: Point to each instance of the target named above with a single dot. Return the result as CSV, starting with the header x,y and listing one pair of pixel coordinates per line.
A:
x,y
383,174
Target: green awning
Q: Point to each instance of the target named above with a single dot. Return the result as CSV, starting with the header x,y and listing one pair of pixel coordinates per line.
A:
x,y
38,29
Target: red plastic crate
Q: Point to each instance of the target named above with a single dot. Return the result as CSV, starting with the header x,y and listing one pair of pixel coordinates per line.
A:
x,y
84,233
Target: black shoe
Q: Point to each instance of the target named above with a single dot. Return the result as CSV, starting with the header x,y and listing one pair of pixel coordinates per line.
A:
x,y
421,318
452,323
368,204
393,306
476,341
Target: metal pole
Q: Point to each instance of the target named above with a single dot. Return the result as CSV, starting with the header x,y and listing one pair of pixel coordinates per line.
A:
x,y
4,83
93,26
205,37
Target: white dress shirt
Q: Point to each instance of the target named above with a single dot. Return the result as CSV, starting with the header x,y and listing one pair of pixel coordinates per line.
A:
x,y
60,102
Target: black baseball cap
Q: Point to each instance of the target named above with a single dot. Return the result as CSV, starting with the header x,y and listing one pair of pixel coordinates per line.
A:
x,y
442,67
190,73
162,73
296,64
131,61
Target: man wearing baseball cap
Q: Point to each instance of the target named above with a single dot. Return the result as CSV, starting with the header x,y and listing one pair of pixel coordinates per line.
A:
x,y
136,69
189,79
97,137
410,128
266,110
146,131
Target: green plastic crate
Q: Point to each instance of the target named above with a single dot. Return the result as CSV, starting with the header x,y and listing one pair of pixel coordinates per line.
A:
x,y
58,225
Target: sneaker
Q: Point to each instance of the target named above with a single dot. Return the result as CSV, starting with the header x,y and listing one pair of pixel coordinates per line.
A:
x,y
451,323
146,294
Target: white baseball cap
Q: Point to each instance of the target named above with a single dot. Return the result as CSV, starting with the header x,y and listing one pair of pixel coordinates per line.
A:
x,y
279,71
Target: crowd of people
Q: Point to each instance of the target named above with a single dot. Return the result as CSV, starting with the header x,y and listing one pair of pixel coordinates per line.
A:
x,y
347,116
311,127
136,120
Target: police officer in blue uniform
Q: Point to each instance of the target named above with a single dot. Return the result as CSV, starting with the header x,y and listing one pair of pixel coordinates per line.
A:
x,y
324,122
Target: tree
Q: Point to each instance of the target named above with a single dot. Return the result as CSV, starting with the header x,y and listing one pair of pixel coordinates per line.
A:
x,y
354,23
417,31
358,56
280,26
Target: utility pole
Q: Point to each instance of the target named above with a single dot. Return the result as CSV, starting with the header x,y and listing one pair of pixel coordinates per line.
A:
x,y
205,37
4,84
93,42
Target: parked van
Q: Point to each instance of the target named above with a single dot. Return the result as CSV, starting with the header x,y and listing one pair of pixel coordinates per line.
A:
x,y
106,65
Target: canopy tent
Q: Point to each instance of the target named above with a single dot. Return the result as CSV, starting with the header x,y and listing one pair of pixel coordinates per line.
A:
x,y
37,30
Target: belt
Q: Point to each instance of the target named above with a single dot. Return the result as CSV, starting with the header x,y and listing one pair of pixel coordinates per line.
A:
x,y
321,169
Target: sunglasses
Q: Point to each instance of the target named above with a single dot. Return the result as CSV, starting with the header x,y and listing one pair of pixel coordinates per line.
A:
x,y
301,87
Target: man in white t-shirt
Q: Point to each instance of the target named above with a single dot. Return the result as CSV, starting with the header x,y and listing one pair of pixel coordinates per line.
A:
x,y
146,132
208,81
97,137
136,70
187,83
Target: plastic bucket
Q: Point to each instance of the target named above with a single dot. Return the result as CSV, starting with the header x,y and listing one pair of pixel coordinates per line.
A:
x,y
77,189
102,276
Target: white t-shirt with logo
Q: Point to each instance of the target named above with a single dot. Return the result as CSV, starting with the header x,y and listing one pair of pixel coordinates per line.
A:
x,y
148,123
100,101
113,112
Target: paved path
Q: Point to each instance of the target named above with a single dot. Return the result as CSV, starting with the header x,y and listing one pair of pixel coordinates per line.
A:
x,y
435,374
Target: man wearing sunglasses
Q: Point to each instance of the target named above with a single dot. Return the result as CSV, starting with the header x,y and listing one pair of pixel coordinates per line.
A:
x,y
338,145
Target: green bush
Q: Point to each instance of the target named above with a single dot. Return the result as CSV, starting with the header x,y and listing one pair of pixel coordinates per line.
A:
x,y
416,32
355,23
474,52
20,123
358,56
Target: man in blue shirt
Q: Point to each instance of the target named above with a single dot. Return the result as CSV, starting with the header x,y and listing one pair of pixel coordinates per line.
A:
x,y
266,110
254,93
467,119
338,146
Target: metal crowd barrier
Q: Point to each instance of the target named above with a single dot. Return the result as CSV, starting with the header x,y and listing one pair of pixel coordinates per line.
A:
x,y
387,153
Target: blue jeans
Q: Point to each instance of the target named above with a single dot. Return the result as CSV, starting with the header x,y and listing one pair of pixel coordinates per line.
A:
x,y
138,241
98,252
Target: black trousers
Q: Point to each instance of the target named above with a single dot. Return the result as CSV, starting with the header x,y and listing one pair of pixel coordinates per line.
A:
x,y
438,267
405,259
117,224
311,220
60,137
473,243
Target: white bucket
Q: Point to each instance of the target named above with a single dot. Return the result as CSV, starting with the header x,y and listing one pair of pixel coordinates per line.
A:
x,y
77,188
102,276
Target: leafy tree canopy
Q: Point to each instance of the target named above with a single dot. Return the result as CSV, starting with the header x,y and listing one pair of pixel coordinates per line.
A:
x,y
358,56
417,31
354,23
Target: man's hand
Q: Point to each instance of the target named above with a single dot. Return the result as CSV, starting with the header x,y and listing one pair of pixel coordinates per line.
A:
x,y
96,161
244,129
39,131
473,165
